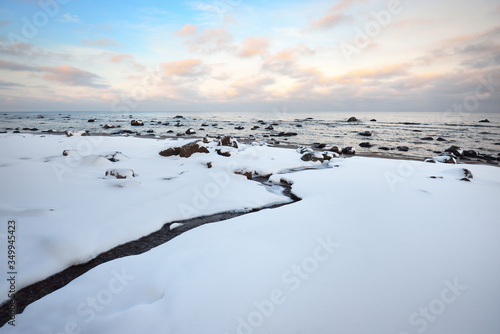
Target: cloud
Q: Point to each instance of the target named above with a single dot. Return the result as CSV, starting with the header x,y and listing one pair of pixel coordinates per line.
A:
x,y
100,42
13,66
254,46
120,58
187,30
5,23
67,17
384,72
329,21
184,68
72,76
210,41
8,84
285,62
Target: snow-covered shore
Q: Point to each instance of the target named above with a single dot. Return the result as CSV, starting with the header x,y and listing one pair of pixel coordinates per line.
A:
x,y
375,245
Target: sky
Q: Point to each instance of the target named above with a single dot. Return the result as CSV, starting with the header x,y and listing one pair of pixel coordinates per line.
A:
x,y
242,55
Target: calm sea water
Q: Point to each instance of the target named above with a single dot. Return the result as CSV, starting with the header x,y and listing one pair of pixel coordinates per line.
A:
x,y
391,129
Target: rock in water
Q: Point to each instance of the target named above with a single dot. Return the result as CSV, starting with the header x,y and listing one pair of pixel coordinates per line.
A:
x,y
365,133
484,120
348,150
312,156
365,145
190,131
352,119
136,123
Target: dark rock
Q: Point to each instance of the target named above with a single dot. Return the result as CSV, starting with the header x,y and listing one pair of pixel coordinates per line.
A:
x,y
204,124
255,127
215,124
170,151
270,127
108,126
16,131
190,148
318,145
484,121
383,148
441,139
178,124
365,145
417,130
26,129
465,179
91,121
228,141
166,123
190,131
309,119
209,165
403,148
298,125
239,127
120,173
468,173
170,131
427,138
223,153
40,116
348,150
287,134
246,173
178,116
312,156
373,120
150,131
455,150
365,133
275,124
352,119
470,153
136,123
181,134
335,149
436,177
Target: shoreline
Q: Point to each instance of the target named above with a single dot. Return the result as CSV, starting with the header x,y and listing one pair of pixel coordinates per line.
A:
x,y
380,155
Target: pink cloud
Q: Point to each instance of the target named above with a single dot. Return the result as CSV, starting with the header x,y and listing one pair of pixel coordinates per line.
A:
x,y
254,46
186,68
187,30
329,21
72,76
210,41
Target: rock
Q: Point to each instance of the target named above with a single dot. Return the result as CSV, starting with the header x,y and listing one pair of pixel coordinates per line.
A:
x,y
436,177
365,145
312,156
91,121
170,131
455,150
298,125
427,138
441,139
40,117
76,133
465,179
206,140
170,151
181,134
178,116
178,124
115,156
348,150
209,165
365,133
223,153
468,174
287,134
136,123
335,149
150,131
228,141
470,153
304,149
484,121
190,148
255,127
204,124
166,123
120,173
403,148
239,128
383,148
68,152
108,126
270,127
445,159
330,155
246,173
352,119
373,120
190,131
318,145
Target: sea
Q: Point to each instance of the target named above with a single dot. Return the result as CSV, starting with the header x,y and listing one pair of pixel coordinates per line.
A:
x,y
389,131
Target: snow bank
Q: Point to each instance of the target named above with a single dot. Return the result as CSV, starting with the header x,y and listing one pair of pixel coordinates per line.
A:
x,y
375,246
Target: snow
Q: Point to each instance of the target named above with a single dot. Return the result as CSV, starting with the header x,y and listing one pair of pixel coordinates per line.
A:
x,y
374,246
